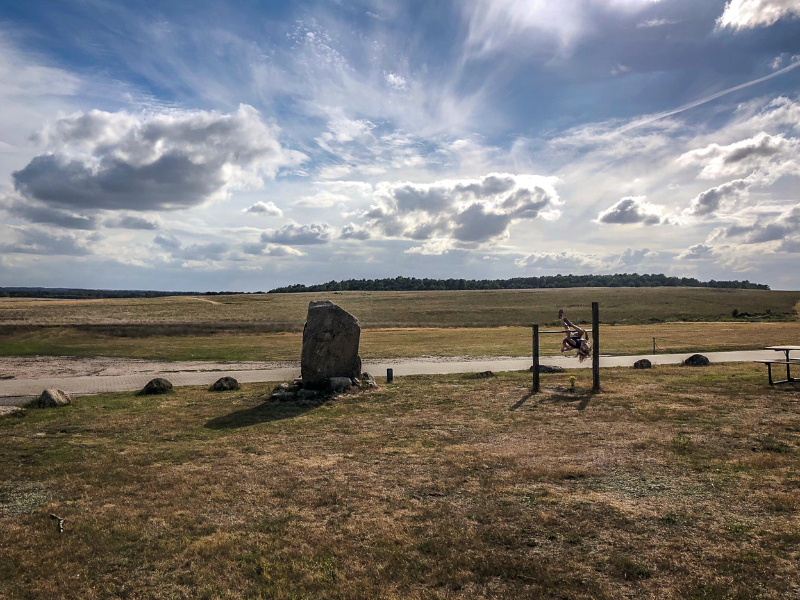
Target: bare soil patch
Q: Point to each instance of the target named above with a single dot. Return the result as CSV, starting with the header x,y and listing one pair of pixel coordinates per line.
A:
x,y
38,367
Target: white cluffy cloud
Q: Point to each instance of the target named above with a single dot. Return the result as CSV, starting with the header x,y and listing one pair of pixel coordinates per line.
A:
x,y
463,211
747,14
761,152
780,229
264,208
633,210
169,160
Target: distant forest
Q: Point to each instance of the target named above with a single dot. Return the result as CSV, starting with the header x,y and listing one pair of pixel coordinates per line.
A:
x,y
80,294
401,284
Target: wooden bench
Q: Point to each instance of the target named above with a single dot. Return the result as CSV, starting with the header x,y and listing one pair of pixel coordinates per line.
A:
x,y
788,363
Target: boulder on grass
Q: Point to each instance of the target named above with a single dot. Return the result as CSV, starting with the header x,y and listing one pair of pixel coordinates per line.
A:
x,y
548,369
51,398
368,381
159,385
642,363
340,384
696,360
330,345
224,384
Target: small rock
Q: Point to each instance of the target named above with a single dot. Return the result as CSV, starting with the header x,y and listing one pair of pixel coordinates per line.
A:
x,y
286,387
224,384
642,363
548,369
159,385
283,396
696,360
51,398
307,394
368,381
340,384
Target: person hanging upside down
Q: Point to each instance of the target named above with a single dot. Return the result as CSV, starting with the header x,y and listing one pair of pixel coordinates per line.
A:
x,y
575,339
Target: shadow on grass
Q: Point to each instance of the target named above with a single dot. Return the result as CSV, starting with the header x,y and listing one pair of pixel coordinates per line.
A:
x,y
565,397
263,413
521,401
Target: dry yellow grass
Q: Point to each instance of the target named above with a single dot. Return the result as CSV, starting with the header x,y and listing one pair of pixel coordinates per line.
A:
x,y
396,342
491,308
672,483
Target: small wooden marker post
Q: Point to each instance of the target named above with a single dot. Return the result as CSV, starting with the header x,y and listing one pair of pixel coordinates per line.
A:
x,y
535,367
595,347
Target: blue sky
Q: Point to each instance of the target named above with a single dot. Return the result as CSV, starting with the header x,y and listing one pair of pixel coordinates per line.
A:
x,y
247,145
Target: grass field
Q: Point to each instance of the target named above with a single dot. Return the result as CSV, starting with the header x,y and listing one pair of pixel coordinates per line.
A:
x,y
397,343
672,483
398,324
494,308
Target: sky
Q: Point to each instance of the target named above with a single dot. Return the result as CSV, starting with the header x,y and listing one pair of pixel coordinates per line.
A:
x,y
245,145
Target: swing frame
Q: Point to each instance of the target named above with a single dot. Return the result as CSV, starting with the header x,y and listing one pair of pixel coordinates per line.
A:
x,y
595,331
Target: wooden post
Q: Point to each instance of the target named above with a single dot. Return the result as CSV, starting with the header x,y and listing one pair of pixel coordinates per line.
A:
x,y
535,367
595,347
654,345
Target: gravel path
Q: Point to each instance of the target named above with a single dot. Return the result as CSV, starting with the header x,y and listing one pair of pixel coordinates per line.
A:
x,y
22,378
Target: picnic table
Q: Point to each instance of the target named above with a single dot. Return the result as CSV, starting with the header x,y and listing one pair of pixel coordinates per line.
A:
x,y
788,361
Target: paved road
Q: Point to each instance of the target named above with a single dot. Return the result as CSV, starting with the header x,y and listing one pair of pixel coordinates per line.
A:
x,y
15,391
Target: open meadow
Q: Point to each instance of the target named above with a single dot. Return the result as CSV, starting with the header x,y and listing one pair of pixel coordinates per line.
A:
x,y
672,483
398,324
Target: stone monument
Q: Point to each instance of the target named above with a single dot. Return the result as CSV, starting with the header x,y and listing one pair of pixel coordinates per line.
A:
x,y
330,345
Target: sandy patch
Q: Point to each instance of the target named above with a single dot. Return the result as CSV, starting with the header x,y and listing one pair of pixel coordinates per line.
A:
x,y
38,367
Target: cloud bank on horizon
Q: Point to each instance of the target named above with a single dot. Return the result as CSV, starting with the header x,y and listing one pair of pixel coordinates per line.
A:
x,y
222,146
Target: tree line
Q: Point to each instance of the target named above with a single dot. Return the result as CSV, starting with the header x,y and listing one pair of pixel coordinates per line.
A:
x,y
82,294
401,284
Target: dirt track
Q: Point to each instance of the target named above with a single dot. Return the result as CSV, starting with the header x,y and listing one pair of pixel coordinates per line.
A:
x,y
39,367
24,377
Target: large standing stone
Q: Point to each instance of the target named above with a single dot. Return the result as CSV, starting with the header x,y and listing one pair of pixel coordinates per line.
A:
x,y
330,345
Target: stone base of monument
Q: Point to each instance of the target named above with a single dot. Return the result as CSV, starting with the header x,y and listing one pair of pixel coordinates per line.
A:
x,y
297,392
